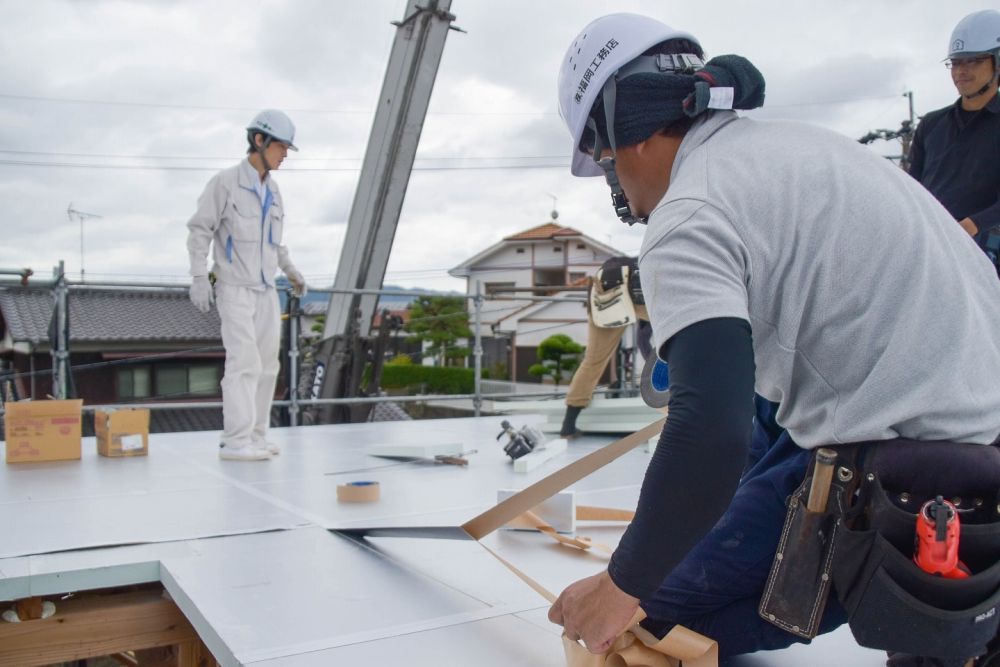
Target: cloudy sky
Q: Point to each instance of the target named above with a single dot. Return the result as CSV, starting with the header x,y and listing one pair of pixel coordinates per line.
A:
x,y
126,108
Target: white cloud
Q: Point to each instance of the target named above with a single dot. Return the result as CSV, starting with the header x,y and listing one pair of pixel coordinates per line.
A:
x,y
187,76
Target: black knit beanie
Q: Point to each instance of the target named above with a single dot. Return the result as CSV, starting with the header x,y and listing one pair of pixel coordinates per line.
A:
x,y
649,102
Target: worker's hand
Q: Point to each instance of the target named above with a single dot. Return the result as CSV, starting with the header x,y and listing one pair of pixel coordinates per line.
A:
x,y
969,226
594,610
298,282
201,293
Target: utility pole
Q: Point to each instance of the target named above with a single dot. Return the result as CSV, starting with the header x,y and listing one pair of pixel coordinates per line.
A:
x,y
904,134
907,137
74,214
60,342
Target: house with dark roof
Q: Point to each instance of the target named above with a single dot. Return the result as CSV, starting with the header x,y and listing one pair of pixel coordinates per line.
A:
x,y
548,258
127,345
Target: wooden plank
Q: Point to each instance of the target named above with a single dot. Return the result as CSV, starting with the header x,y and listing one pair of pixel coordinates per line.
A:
x,y
95,625
28,608
187,654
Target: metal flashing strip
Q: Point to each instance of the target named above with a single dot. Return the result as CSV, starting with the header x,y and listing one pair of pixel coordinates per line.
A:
x,y
419,532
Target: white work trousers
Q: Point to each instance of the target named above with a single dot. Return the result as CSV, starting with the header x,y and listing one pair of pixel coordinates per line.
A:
x,y
251,334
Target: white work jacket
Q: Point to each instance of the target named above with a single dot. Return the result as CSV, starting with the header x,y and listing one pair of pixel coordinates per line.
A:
x,y
246,232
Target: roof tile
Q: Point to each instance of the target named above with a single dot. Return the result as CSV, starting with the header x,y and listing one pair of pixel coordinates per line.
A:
x,y
547,231
127,315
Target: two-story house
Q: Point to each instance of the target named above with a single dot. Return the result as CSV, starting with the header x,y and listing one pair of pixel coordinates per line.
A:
x,y
552,259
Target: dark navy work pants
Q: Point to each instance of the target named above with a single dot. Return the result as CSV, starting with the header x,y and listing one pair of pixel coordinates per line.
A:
x,y
716,589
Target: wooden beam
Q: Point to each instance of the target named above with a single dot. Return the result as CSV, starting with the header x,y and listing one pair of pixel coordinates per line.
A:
x,y
125,660
95,625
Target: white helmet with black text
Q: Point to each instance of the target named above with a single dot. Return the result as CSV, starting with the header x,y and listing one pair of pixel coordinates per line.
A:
x,y
600,51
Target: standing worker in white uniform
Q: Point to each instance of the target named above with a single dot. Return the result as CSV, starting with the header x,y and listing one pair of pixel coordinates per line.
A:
x,y
240,214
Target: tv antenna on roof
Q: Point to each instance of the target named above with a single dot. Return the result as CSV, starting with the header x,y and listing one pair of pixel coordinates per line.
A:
x,y
74,214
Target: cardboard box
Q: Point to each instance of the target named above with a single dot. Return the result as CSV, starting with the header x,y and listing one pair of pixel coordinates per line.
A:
x,y
42,430
122,432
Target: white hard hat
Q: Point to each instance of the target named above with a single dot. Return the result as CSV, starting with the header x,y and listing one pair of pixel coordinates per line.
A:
x,y
275,124
599,51
977,33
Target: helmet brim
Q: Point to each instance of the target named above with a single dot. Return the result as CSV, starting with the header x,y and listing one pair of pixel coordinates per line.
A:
x,y
582,164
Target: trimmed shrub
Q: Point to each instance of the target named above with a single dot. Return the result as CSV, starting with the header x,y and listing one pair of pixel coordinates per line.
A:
x,y
432,379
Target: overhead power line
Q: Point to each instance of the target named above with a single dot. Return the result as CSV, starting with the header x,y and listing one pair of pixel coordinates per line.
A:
x,y
150,167
361,112
201,107
123,156
851,100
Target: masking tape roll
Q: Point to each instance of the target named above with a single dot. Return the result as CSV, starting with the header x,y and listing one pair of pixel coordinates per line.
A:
x,y
358,492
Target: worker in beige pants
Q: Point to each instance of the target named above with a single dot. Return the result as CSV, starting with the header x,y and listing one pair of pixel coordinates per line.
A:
x,y
601,346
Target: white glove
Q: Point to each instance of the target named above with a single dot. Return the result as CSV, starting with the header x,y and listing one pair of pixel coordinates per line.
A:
x,y
201,293
298,282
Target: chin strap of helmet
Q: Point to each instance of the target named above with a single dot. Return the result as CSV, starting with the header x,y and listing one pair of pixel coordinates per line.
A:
x,y
618,199
993,80
260,149
684,63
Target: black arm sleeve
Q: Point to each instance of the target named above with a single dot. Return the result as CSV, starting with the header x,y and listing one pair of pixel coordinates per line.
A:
x,y
697,464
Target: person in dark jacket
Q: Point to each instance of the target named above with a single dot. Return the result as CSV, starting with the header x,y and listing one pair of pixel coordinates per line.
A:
x,y
955,150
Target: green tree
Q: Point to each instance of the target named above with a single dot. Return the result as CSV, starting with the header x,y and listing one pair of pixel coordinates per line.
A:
x,y
440,321
559,355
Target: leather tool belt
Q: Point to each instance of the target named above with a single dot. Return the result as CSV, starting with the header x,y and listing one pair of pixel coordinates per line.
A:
x,y
861,546
610,300
623,271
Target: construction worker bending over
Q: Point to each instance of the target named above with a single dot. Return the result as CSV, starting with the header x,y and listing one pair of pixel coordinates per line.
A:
x,y
614,301
954,151
781,257
241,215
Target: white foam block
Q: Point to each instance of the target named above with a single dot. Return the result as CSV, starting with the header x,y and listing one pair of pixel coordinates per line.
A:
x,y
549,451
559,511
416,450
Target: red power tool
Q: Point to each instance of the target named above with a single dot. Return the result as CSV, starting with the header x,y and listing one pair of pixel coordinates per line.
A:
x,y
938,533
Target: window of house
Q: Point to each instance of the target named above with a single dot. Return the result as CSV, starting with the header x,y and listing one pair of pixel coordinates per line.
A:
x,y
133,382
549,277
519,251
200,380
581,246
171,381
203,380
492,288
557,248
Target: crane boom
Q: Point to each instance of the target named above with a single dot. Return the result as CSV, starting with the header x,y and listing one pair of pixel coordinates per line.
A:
x,y
378,200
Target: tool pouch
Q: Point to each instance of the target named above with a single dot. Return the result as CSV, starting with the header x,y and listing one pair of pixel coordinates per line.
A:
x,y
799,583
894,605
611,306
